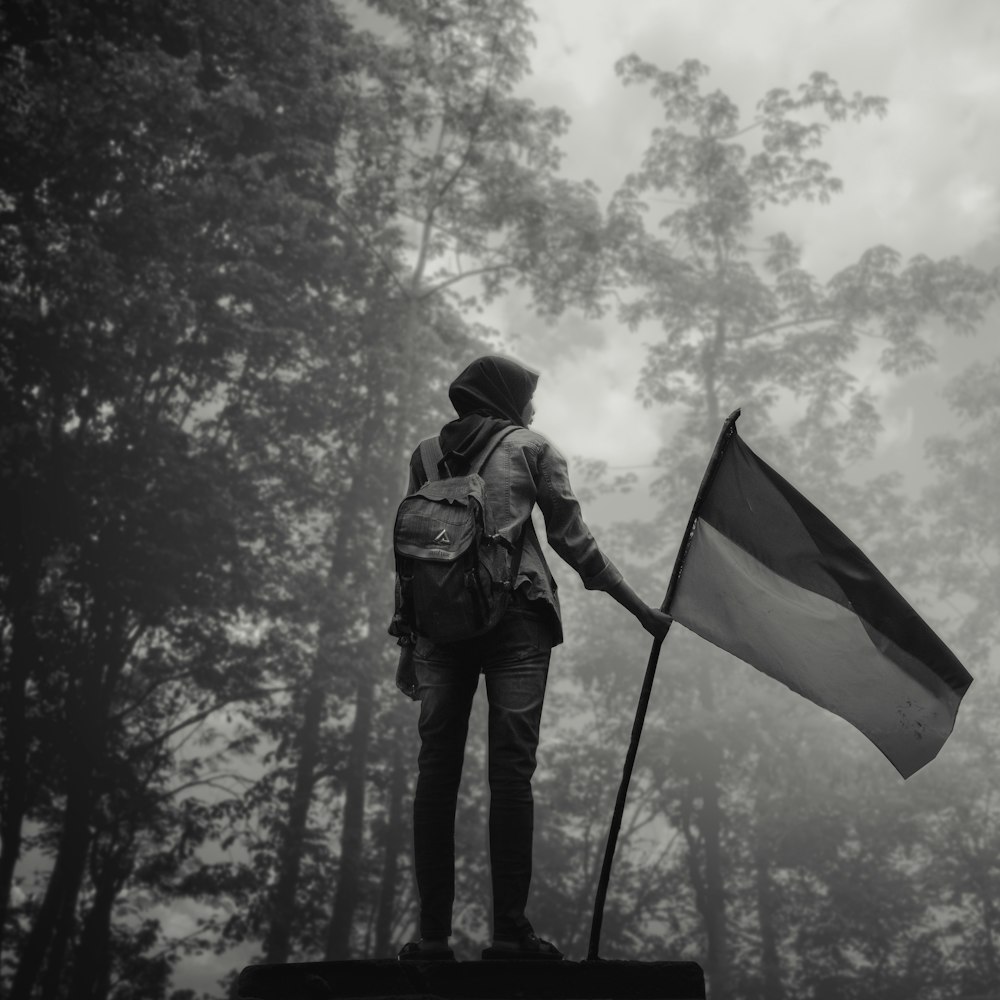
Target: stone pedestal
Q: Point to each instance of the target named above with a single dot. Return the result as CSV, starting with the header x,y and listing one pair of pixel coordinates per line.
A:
x,y
507,980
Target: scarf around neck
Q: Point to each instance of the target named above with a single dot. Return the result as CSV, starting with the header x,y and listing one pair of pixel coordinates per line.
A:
x,y
488,395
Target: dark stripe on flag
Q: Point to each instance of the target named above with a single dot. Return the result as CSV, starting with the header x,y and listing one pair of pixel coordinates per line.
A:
x,y
816,647
764,514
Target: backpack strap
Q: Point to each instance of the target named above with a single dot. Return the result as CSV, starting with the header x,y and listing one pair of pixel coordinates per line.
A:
x,y
491,446
431,457
515,565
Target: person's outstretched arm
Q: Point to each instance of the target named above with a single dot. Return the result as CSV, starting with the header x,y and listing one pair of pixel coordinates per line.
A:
x,y
569,535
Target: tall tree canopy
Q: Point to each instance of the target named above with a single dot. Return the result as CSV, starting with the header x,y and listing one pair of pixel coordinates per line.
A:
x,y
737,321
242,246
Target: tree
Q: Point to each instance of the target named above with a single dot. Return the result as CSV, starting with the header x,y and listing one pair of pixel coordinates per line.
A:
x,y
472,171
961,566
171,268
731,331
479,187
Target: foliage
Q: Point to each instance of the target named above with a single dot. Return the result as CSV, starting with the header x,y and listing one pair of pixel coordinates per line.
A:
x,y
181,345
238,246
735,325
737,328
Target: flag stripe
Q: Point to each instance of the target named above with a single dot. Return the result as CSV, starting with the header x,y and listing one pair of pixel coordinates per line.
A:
x,y
765,515
816,646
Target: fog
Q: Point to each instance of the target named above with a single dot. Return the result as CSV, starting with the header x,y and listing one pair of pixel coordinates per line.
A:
x,y
231,329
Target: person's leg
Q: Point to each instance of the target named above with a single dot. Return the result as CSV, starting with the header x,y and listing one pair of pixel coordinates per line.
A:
x,y
516,675
446,687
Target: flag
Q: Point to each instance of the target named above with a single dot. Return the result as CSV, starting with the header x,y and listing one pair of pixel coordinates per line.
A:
x,y
769,578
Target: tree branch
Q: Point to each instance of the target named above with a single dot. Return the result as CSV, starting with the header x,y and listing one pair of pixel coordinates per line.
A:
x,y
193,720
455,278
386,265
784,324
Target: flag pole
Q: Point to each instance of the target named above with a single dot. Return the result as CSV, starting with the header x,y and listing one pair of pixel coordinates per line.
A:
x,y
728,429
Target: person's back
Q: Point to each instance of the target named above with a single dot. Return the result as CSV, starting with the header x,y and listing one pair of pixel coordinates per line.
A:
x,y
524,469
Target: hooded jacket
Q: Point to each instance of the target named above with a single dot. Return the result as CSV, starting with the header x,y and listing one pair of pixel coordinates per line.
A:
x,y
525,470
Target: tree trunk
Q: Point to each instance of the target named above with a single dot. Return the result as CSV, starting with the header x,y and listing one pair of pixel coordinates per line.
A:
x,y
91,967
92,962
44,951
384,946
88,702
764,890
770,965
282,905
352,833
277,942
54,978
13,803
48,937
989,911
710,824
379,486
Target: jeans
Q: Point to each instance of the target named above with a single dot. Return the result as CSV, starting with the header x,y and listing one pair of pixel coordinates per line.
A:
x,y
514,657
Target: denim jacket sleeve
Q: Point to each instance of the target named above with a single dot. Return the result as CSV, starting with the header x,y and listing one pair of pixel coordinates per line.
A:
x,y
565,528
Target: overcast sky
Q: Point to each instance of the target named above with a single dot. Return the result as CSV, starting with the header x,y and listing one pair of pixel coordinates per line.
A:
x,y
922,180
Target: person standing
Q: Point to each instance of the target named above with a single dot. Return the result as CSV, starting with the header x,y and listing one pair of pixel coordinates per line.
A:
x,y
491,395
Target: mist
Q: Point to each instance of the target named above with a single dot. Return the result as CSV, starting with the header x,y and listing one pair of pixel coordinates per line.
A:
x,y
244,254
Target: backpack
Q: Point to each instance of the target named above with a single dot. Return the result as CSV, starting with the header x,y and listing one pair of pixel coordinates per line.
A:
x,y
456,573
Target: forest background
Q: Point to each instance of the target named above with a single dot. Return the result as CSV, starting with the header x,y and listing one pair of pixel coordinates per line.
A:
x,y
245,244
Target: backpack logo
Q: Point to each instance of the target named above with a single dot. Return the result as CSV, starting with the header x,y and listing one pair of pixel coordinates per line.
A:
x,y
441,538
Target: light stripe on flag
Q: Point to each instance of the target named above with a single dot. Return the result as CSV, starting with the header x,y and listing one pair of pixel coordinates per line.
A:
x,y
816,647
769,578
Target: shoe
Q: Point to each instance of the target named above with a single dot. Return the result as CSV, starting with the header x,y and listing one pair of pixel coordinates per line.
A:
x,y
531,947
426,951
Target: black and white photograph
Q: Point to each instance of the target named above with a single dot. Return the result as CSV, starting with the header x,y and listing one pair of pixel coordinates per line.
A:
x,y
498,499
